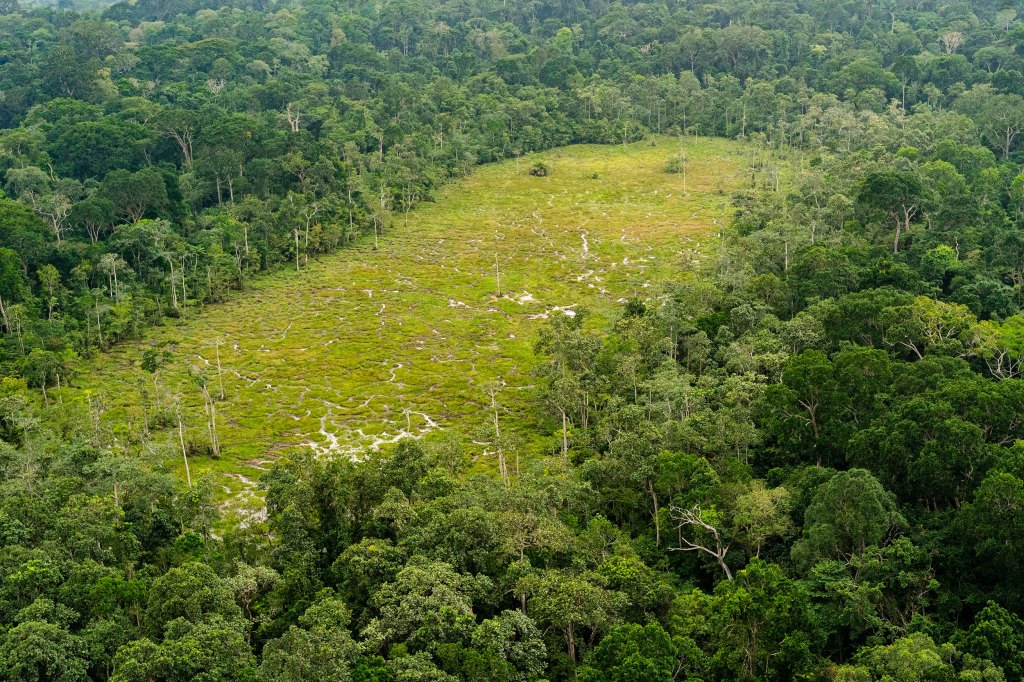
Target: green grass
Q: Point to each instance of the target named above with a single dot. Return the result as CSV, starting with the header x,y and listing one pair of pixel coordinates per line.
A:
x,y
364,343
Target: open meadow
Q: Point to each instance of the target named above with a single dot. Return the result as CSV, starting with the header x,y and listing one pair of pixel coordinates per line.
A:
x,y
365,347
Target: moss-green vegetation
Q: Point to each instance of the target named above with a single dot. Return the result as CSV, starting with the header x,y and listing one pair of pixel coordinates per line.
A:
x,y
365,346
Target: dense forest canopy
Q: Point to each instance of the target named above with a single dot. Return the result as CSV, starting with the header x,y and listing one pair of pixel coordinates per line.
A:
x,y
801,463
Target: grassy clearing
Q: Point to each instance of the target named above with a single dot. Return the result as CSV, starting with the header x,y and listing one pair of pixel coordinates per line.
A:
x,y
367,346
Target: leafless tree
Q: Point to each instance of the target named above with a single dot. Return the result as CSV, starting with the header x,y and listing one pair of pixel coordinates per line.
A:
x,y
951,41
693,519
293,119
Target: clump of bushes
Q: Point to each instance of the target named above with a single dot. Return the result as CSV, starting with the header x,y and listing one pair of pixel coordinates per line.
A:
x,y
539,169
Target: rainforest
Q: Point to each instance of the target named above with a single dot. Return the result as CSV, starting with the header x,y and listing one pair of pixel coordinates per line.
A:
x,y
511,341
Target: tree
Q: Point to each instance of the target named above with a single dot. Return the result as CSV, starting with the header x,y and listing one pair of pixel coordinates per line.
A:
x,y
847,514
91,149
133,195
49,196
513,643
24,232
951,41
924,451
12,284
201,380
213,649
1000,116
915,658
66,74
573,605
182,126
35,651
759,514
895,193
149,244
570,354
250,585
845,607
692,43
700,525
110,264
990,528
808,397
94,39
864,74
321,648
995,635
906,69
190,592
42,368
755,627
365,565
427,604
632,652
740,43
95,215
927,324
49,281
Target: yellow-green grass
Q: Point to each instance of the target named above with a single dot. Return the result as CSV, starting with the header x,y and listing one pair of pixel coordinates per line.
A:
x,y
364,345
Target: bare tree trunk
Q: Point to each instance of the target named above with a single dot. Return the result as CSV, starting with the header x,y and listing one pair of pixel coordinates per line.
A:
x,y
502,467
565,435
497,273
184,450
214,441
721,564
184,289
351,222
99,328
692,518
220,372
211,412
174,287
657,521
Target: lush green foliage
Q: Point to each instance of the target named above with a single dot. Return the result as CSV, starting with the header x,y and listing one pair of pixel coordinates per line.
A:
x,y
803,464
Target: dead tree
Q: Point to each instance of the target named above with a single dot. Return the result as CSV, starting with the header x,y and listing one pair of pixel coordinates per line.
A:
x,y
293,118
492,392
692,518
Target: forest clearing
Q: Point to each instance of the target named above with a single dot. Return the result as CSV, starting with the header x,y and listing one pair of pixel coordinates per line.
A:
x,y
366,346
